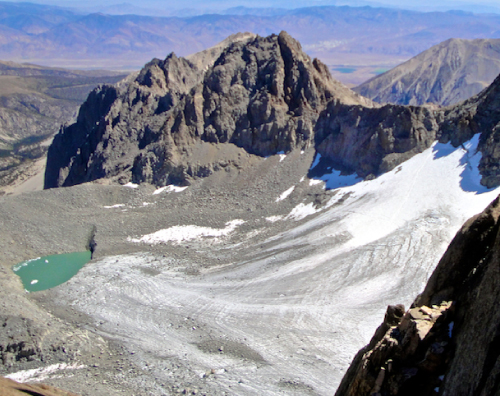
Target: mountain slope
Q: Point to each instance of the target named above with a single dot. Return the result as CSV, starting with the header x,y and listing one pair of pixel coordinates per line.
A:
x,y
256,272
445,74
263,95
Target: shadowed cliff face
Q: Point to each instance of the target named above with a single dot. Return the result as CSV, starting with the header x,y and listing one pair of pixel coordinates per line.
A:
x,y
448,343
261,94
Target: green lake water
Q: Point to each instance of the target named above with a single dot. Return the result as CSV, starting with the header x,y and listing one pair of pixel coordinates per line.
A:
x,y
45,272
345,70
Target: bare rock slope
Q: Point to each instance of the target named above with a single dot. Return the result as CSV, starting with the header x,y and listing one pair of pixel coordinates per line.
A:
x,y
448,342
445,74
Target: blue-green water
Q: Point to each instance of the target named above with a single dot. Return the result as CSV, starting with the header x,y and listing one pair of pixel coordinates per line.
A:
x,y
345,70
380,71
45,272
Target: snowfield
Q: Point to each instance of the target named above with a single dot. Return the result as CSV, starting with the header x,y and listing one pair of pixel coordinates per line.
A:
x,y
185,233
286,310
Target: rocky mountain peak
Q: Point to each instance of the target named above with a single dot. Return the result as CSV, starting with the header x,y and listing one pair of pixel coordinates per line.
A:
x,y
263,95
172,74
206,58
445,74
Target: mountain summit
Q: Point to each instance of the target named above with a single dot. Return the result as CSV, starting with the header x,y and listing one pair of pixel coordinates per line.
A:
x,y
264,95
174,123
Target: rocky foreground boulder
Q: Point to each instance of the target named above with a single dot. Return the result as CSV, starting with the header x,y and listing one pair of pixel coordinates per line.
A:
x,y
448,342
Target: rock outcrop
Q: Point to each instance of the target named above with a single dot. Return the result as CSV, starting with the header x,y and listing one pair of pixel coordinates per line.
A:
x,y
34,102
263,95
448,343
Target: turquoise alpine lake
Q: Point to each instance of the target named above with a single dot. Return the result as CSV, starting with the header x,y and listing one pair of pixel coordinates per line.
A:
x,y
345,70
46,272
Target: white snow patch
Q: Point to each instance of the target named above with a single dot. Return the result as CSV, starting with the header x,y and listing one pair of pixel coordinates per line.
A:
x,y
114,206
159,190
285,194
302,179
274,219
147,203
425,186
176,188
313,182
170,188
34,281
301,211
131,185
178,234
41,374
282,157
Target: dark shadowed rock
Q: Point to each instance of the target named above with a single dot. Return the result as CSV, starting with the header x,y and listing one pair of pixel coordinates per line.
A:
x,y
263,95
370,141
